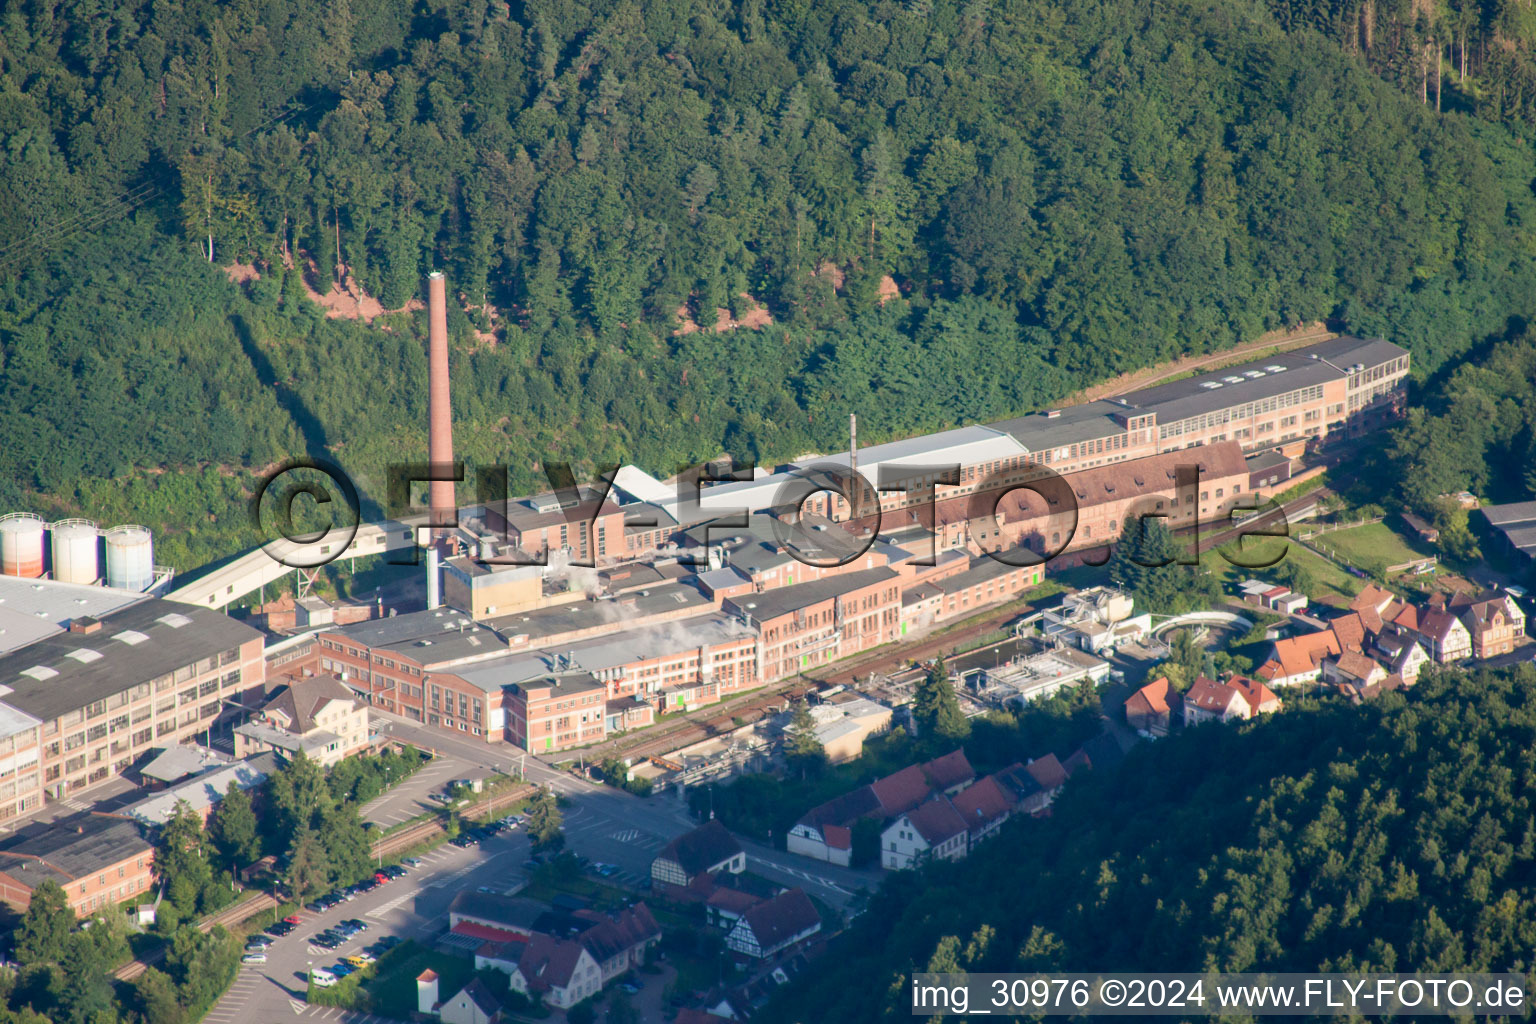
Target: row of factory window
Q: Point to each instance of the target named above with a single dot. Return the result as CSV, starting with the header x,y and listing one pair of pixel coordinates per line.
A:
x,y
1198,424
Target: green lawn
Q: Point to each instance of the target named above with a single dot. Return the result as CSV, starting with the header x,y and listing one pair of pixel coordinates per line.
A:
x,y
1372,544
1330,579
392,990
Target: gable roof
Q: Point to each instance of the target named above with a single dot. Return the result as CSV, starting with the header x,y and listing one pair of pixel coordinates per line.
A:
x,y
481,997
936,820
779,919
549,962
1253,691
1047,771
1209,695
700,850
612,936
1299,655
1103,751
983,803
1353,663
1157,698
1017,783
951,769
1350,630
301,700
1439,625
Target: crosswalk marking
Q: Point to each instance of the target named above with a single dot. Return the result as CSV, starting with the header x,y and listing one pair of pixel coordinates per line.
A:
x,y
628,835
385,908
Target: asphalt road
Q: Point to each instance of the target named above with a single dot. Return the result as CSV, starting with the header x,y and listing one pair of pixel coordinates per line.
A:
x,y
413,907
610,826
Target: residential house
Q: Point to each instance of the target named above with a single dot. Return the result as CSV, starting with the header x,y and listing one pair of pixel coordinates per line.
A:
x,y
319,715
708,849
474,1004
1441,631
1402,655
559,970
1496,625
984,807
826,831
1353,668
1261,700
1294,660
1209,701
933,830
1153,708
775,925
618,942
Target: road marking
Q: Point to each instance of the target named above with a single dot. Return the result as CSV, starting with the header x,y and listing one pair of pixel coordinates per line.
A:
x,y
297,1006
384,908
628,835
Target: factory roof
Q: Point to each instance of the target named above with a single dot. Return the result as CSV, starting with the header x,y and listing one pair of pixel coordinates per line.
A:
x,y
541,510
1260,461
133,645
983,568
640,486
1058,428
771,604
965,445
439,637
1260,378
397,628
664,599
1518,513
33,609
178,762
597,654
205,790
70,848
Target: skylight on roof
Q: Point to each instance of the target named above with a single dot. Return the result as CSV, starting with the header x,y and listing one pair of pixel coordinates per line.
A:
x,y
1253,374
175,620
130,637
1211,385
1233,380
84,655
1275,369
39,672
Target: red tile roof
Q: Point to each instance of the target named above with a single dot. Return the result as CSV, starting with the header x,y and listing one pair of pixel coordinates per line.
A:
x,y
950,770
937,820
1298,655
1254,692
1209,695
776,921
838,837
1047,771
1154,698
983,803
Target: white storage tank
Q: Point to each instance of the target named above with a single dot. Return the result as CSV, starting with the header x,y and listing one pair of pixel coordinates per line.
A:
x,y
130,557
74,551
21,545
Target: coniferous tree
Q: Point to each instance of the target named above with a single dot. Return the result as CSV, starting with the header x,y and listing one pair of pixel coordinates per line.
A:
x,y
46,925
936,710
544,821
802,749
233,829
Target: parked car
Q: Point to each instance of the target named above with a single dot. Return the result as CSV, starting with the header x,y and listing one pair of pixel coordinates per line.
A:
x,y
321,978
254,957
356,923
388,941
342,969
362,959
259,940
282,928
316,906
414,862
630,987
293,919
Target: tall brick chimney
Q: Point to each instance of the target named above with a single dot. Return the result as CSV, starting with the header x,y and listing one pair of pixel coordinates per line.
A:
x,y
439,404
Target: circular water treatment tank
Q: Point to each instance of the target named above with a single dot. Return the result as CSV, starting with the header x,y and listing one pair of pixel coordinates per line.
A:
x,y
74,551
21,545
130,557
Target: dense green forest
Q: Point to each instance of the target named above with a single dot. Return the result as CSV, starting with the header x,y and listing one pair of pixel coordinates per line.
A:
x,y
1396,835
1061,190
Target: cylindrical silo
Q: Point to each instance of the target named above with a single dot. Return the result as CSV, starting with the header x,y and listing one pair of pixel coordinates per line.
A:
x,y
130,557
21,545
74,551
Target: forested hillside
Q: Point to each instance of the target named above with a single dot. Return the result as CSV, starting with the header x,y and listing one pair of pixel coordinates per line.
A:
x,y
1397,835
1061,189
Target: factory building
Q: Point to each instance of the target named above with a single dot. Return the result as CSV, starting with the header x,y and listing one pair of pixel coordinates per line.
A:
x,y
80,705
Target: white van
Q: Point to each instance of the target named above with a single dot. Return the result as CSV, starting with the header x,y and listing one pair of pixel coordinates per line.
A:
x,y
321,978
